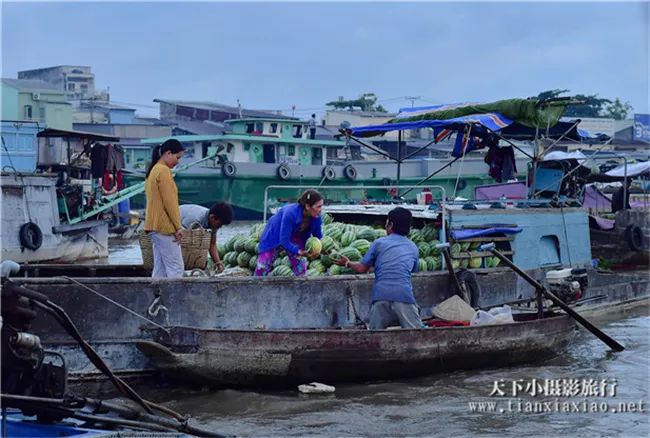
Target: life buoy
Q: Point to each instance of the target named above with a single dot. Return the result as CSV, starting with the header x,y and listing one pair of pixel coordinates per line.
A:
x,y
31,236
634,237
350,172
392,191
284,173
229,169
329,173
461,184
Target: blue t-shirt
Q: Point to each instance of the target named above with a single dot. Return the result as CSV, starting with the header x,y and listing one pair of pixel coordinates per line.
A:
x,y
394,258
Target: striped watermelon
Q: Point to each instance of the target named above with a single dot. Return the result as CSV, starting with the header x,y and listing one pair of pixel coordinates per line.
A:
x,y
317,265
422,265
282,271
380,233
454,249
464,245
249,245
242,259
327,219
230,258
328,244
367,233
415,235
475,262
313,273
423,249
432,246
455,263
313,246
351,253
362,245
221,249
429,233
240,244
326,260
347,238
277,262
464,263
252,264
334,270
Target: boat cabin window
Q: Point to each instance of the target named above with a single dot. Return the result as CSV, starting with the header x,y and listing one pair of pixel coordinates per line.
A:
x,y
291,150
355,152
316,156
230,147
254,127
247,146
273,128
269,153
549,250
204,148
28,111
297,131
331,153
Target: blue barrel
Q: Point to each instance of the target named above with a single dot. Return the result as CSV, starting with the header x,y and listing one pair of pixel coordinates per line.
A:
x,y
123,209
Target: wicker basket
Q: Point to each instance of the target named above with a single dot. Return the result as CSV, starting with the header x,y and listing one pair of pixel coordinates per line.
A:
x,y
195,245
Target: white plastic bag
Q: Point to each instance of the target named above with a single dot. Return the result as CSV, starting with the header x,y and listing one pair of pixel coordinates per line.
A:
x,y
496,315
482,318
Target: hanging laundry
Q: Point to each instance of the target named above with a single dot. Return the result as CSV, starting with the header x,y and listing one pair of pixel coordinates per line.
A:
x,y
98,157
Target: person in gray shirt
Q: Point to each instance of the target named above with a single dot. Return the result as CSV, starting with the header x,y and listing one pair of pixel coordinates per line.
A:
x,y
394,257
218,215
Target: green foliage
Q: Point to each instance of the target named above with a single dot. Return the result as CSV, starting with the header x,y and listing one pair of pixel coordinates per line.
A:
x,y
365,102
592,106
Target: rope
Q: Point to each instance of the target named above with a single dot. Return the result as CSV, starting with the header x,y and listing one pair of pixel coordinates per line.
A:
x,y
116,303
566,236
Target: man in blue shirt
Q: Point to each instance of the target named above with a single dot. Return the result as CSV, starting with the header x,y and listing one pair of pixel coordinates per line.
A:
x,y
394,258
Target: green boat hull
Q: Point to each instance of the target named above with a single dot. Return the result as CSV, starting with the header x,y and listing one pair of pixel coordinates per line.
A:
x,y
246,193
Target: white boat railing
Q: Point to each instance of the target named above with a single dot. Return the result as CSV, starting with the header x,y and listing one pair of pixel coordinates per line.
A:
x,y
443,237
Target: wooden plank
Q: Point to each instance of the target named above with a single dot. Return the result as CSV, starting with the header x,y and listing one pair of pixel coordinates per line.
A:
x,y
472,254
486,239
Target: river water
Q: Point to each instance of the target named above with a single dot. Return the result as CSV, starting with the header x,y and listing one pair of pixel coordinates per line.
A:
x,y
442,404
454,404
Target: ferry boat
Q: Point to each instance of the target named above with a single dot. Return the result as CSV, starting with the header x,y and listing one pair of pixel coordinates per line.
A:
x,y
261,152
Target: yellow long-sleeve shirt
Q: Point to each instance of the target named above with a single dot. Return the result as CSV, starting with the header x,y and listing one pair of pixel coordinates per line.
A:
x,y
162,215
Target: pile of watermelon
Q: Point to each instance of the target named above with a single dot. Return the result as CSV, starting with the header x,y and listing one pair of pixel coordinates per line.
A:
x,y
339,239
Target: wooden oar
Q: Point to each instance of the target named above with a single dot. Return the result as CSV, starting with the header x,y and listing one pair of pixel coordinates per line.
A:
x,y
558,302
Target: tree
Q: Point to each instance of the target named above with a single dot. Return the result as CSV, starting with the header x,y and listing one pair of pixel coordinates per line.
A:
x,y
365,102
592,106
617,110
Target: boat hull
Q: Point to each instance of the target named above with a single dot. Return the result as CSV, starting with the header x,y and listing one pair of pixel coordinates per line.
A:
x,y
263,358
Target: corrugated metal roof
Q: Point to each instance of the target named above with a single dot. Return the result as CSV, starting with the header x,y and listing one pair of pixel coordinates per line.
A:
x,y
31,85
225,108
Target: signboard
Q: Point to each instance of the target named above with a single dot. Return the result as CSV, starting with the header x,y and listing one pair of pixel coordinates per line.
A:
x,y
642,127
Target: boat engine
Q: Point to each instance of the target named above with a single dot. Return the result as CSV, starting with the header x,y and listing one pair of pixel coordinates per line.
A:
x,y
27,368
569,284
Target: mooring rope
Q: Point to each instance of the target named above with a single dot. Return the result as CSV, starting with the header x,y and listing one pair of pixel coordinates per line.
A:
x,y
116,303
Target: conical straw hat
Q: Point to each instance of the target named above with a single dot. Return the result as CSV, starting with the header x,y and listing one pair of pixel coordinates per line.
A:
x,y
454,309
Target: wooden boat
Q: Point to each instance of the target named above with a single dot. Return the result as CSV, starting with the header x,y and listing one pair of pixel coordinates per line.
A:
x,y
220,357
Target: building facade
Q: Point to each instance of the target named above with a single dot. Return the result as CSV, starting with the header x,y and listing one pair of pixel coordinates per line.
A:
x,y
77,81
35,101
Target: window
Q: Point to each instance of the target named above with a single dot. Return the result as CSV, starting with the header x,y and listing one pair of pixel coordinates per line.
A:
x,y
250,127
41,114
71,86
84,87
273,128
292,150
247,146
28,112
297,131
259,127
316,156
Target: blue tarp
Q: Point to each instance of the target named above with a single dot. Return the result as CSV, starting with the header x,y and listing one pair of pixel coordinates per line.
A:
x,y
467,234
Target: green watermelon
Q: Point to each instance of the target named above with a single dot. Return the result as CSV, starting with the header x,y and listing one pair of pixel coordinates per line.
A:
x,y
362,245
351,253
334,270
432,247
464,263
429,233
317,265
455,263
282,271
422,265
277,262
423,249
367,233
286,261
454,249
415,235
242,259
474,246
221,249
464,246
252,264
347,238
313,273
327,219
380,233
249,245
495,261
326,260
240,244
475,262
313,246
327,244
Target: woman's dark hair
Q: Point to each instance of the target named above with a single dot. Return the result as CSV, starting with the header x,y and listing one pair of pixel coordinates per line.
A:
x,y
401,219
309,198
223,212
172,145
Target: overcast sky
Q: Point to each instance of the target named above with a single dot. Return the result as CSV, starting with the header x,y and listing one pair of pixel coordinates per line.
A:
x,y
275,55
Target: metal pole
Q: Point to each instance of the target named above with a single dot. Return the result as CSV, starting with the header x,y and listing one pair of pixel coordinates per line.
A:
x,y
399,157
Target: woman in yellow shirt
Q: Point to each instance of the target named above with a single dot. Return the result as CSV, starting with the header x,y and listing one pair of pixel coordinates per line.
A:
x,y
163,217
